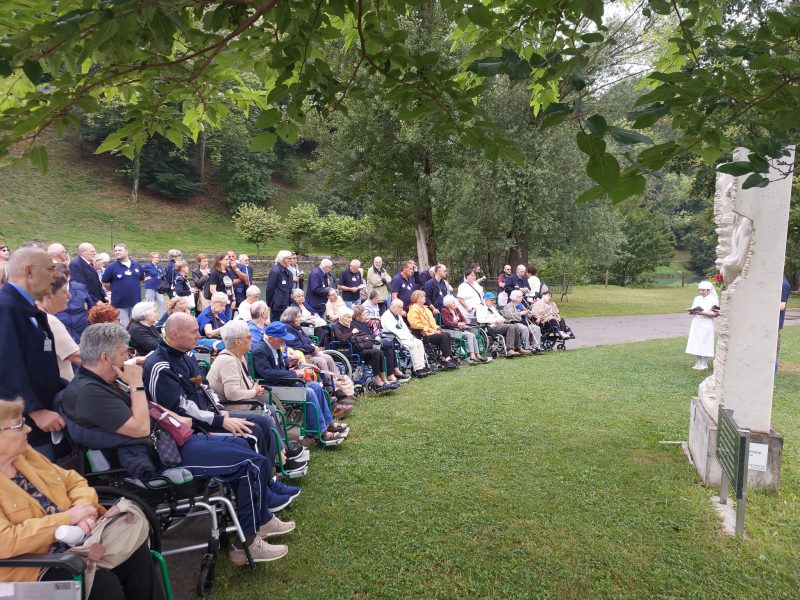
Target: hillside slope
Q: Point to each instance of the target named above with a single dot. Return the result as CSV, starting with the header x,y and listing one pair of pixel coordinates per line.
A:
x,y
76,199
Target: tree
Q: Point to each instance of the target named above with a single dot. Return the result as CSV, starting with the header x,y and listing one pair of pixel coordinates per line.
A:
x,y
256,224
338,233
302,225
171,63
648,244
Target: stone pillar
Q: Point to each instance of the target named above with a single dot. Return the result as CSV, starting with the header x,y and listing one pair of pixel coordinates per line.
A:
x,y
752,227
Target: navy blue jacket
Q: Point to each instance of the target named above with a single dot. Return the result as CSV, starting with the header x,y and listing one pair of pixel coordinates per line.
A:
x,y
301,342
241,288
169,271
515,282
154,272
76,316
435,291
28,368
319,283
182,286
83,273
268,370
279,290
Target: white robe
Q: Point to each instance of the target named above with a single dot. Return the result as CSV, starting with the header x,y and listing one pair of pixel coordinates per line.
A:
x,y
701,333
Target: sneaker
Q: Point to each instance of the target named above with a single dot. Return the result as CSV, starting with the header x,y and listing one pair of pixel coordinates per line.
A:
x,y
279,487
260,551
275,527
294,450
484,359
403,378
392,385
294,465
277,502
422,373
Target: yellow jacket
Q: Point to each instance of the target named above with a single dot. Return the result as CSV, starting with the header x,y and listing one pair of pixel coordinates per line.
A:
x,y
421,317
23,525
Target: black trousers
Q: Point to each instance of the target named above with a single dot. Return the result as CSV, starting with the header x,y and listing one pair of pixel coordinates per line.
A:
x,y
135,579
442,341
374,358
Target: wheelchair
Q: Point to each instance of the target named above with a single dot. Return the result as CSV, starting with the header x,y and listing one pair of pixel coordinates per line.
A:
x,y
433,355
491,343
552,338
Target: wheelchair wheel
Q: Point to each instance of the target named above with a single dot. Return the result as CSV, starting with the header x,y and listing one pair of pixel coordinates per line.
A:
x,y
561,346
208,573
483,342
342,362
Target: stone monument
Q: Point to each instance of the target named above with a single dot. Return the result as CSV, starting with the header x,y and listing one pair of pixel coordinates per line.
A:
x,y
751,228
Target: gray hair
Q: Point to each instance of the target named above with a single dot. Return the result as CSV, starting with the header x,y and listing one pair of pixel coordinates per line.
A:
x,y
174,253
515,294
290,314
326,262
219,297
257,308
141,309
449,300
232,331
297,292
345,312
243,256
396,302
99,338
282,255
253,290
21,258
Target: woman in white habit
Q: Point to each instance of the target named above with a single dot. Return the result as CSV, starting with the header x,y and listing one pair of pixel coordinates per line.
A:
x,y
701,333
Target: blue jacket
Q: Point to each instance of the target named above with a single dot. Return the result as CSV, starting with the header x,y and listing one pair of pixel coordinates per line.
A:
x,y
273,373
240,288
76,316
29,368
167,377
182,286
279,290
435,291
206,317
84,273
154,272
317,291
301,342
513,282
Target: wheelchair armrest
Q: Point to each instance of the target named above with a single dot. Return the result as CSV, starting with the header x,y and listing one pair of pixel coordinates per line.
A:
x,y
251,403
290,393
69,561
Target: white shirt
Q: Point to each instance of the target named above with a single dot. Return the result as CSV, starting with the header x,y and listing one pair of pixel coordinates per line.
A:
x,y
484,314
389,323
473,294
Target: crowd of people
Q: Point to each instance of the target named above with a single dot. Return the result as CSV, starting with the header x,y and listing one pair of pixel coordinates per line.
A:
x,y
87,357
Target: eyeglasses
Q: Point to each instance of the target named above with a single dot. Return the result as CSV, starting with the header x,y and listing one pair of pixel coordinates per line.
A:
x,y
19,425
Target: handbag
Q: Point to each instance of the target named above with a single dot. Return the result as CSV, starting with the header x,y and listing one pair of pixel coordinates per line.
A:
x,y
179,432
166,447
115,537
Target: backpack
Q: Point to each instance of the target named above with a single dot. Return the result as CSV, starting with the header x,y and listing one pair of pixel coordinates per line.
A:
x,y
165,286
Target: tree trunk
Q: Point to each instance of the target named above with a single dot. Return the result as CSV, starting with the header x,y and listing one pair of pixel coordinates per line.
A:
x,y
135,169
426,246
203,159
424,256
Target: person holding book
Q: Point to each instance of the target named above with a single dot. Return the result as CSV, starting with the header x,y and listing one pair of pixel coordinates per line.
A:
x,y
705,309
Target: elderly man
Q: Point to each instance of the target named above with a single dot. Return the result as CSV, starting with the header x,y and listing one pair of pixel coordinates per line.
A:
x,y
109,395
76,316
378,280
279,286
251,296
297,273
487,314
392,322
403,284
516,312
123,278
517,281
351,283
152,274
82,270
29,368
58,254
319,282
436,289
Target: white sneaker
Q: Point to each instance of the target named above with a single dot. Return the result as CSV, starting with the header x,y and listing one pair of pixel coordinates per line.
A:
x,y
275,527
260,550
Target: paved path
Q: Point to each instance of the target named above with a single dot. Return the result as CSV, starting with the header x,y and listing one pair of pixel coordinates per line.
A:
x,y
598,331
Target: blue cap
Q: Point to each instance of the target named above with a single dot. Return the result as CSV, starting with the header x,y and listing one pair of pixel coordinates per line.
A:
x,y
278,330
489,296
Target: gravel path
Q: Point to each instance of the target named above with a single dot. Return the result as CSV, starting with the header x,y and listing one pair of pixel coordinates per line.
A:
x,y
598,331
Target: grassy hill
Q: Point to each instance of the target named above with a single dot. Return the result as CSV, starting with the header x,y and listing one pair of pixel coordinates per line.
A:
x,y
76,199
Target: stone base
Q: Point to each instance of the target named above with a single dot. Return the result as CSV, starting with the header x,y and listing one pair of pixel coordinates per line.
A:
x,y
703,445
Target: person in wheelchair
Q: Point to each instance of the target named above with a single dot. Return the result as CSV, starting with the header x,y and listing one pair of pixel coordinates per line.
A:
x,y
518,313
488,315
393,324
309,318
334,306
272,367
421,318
107,396
456,326
211,320
145,336
366,345
549,319
36,497
373,327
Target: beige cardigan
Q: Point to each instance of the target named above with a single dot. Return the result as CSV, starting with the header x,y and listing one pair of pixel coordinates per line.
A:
x,y
228,379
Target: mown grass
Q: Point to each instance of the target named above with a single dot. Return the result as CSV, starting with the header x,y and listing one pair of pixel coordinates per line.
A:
x,y
599,301
534,478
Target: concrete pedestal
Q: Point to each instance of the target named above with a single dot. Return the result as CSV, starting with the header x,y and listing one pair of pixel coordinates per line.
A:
x,y
703,445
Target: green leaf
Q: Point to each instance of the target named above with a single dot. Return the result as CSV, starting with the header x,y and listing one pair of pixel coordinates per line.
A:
x,y
269,118
710,155
263,141
33,71
759,163
630,183
628,137
480,15
648,116
657,156
593,193
603,168
578,78
660,7
592,37
38,156
175,136
736,168
755,180
597,125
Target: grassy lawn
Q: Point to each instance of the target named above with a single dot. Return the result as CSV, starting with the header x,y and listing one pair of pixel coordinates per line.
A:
x,y
557,487
597,301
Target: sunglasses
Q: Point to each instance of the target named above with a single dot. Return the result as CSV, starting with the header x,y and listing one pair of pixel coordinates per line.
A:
x,y
19,425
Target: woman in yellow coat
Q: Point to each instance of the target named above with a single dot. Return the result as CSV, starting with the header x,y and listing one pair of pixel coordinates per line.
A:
x,y
421,318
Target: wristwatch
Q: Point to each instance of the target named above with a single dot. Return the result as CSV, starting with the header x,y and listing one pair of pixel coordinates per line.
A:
x,y
138,388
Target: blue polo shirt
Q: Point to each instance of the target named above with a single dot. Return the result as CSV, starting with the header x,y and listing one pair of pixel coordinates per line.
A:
x,y
404,288
154,272
126,283
435,291
785,293
350,279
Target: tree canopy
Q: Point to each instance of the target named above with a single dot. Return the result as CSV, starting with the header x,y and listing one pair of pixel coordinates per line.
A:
x,y
179,65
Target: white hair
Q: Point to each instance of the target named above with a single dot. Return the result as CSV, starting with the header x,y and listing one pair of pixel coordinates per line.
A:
x,y
243,256
232,331
219,297
174,253
298,292
282,255
141,309
326,262
103,256
449,300
345,312
515,294
397,302
253,290
257,308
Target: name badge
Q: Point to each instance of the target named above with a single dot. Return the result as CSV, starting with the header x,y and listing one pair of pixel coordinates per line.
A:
x,y
283,282
48,344
128,272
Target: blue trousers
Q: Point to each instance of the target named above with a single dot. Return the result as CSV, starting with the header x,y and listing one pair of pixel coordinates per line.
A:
x,y
315,395
262,440
230,459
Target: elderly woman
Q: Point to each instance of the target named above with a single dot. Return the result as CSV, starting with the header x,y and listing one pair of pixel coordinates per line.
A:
x,y
200,275
393,324
545,314
309,317
293,320
373,326
259,319
142,328
211,320
176,304
705,309
67,351
252,294
364,344
519,314
372,305
421,318
457,328
36,497
334,306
